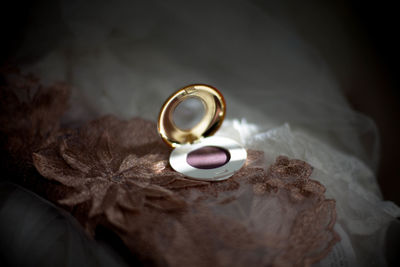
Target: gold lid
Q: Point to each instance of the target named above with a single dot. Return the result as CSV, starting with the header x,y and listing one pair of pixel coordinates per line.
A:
x,y
214,105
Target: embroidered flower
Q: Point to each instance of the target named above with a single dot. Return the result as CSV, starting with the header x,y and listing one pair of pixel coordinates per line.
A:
x,y
111,168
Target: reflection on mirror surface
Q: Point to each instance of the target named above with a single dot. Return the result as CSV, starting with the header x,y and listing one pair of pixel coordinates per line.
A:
x,y
188,113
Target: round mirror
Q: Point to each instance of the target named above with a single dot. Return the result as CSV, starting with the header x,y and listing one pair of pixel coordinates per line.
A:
x,y
191,113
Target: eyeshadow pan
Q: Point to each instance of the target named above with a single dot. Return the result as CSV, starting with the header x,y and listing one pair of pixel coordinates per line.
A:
x,y
208,157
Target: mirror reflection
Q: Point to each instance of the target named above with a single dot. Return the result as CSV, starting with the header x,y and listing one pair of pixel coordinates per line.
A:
x,y
188,113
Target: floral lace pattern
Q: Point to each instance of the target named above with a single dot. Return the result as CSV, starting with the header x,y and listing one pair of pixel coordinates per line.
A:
x,y
116,174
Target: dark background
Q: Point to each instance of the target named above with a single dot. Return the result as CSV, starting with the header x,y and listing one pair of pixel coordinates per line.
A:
x,y
358,39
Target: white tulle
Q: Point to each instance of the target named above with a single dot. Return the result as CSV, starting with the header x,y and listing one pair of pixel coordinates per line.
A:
x,y
361,211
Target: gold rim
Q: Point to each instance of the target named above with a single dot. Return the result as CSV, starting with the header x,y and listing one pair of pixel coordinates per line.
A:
x,y
214,104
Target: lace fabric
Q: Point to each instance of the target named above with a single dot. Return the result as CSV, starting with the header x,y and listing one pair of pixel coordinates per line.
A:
x,y
116,174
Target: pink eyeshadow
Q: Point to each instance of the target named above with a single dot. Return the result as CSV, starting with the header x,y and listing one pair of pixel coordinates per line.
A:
x,y
208,157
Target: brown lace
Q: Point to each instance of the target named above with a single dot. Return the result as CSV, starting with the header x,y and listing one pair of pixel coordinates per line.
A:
x,y
117,174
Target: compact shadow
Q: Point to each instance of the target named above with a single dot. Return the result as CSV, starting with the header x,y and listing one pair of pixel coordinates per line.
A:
x,y
187,122
208,157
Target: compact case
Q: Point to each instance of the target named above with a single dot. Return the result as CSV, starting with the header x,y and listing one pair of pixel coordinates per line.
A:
x,y
196,153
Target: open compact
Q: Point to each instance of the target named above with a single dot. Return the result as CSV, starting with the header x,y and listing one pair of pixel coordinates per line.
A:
x,y
187,122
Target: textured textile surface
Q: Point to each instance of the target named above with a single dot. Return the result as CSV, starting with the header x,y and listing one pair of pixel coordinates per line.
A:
x,y
118,175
